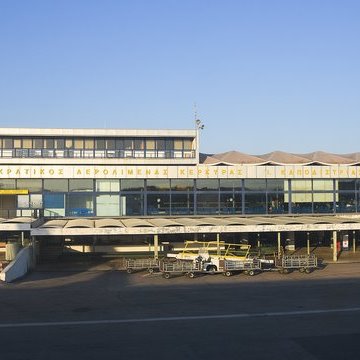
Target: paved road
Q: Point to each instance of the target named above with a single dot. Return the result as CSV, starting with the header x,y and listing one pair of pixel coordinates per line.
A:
x,y
112,315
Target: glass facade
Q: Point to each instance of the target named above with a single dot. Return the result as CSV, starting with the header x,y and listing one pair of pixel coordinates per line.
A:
x,y
160,197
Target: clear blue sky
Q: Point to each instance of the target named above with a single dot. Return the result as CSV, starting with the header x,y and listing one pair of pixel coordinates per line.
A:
x,y
265,74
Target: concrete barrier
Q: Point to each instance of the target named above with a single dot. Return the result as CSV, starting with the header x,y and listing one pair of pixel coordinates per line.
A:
x,y
19,267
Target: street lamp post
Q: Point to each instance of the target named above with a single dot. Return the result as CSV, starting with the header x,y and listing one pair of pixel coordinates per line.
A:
x,y
198,126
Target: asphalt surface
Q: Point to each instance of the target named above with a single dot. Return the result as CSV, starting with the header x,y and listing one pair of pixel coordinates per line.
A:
x,y
112,315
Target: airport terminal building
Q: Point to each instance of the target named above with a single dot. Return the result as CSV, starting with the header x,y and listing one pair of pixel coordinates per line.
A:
x,y
102,187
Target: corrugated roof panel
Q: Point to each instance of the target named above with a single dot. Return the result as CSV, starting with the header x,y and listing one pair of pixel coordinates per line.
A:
x,y
19,220
104,223
54,224
137,223
80,223
160,222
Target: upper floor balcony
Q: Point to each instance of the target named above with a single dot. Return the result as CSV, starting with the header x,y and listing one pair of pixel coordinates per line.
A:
x,y
98,145
97,154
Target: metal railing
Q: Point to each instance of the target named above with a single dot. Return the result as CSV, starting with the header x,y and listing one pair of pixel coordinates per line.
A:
x,y
92,153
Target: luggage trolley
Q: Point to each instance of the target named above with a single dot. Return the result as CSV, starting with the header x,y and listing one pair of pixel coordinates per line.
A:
x,y
250,266
182,267
303,263
149,264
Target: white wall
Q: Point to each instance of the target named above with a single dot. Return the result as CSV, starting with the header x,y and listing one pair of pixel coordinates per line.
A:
x,y
19,267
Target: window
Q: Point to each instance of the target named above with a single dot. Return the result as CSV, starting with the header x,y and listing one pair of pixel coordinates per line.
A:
x,y
107,205
100,144
301,185
275,203
120,145
158,203
132,185
7,184
182,184
56,185
80,205
54,201
80,185
207,203
178,144
346,184
230,203
208,184
187,144
33,185
54,204
132,204
275,185
150,144
36,201
38,143
182,204
69,143
230,185
27,143
255,203
59,144
160,144
107,185
17,143
158,185
139,144
33,201
169,143
78,144
323,185
7,143
89,144
128,143
23,201
49,143
110,144
255,185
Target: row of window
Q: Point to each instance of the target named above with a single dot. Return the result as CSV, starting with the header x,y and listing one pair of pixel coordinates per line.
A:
x,y
180,203
80,143
236,185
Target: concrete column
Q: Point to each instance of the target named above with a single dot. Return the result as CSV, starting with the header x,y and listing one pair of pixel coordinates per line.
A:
x,y
218,244
308,242
156,246
335,254
354,241
279,244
